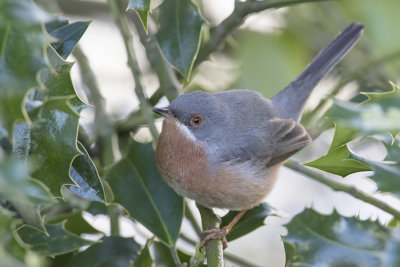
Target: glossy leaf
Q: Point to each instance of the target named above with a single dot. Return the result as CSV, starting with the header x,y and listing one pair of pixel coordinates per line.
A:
x,y
54,144
139,188
339,241
251,220
85,174
337,160
68,36
179,33
379,114
142,7
58,241
111,251
21,57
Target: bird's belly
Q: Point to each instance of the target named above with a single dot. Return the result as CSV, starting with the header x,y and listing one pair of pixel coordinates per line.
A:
x,y
185,167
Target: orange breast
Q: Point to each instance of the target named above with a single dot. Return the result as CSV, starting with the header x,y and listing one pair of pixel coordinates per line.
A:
x,y
185,166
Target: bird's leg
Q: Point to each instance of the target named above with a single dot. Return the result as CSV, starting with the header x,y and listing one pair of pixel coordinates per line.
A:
x,y
221,233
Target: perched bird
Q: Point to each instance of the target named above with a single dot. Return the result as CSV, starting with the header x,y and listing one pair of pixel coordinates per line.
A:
x,y
224,149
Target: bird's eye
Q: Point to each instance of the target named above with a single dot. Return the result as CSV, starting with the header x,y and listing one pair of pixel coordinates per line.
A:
x,y
197,120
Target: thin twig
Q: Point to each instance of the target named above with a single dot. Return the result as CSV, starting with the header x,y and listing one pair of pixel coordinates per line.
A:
x,y
239,14
122,24
351,190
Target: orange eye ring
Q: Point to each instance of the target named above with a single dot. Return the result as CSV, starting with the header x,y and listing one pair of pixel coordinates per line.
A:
x,y
197,120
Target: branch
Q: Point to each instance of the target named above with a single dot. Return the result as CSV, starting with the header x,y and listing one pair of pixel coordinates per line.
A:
x,y
133,65
239,14
214,251
351,190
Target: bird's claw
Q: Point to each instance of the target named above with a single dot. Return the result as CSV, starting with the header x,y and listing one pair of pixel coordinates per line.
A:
x,y
215,233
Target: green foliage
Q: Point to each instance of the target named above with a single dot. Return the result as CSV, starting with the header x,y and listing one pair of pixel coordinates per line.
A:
x,y
339,241
139,188
50,181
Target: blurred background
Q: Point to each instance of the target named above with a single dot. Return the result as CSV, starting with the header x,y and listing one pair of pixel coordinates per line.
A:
x,y
265,54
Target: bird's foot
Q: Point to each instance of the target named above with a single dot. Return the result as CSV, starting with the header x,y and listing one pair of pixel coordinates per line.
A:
x,y
215,233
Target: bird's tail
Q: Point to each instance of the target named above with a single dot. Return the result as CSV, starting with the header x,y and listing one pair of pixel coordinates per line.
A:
x,y
291,100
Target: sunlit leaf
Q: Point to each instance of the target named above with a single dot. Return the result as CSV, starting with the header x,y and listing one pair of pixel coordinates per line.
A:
x,y
139,188
339,241
58,241
111,251
142,7
337,160
251,220
22,43
179,33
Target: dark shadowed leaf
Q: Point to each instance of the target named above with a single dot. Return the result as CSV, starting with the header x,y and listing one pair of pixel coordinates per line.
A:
x,y
78,225
85,175
337,160
142,7
67,35
144,259
22,43
139,188
250,221
339,241
111,251
58,241
179,33
162,255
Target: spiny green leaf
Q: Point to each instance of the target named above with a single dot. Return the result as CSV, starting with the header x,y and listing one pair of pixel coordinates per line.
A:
x,y
337,159
381,113
53,144
112,251
334,240
139,188
67,36
142,7
22,43
179,33
85,174
58,241
251,220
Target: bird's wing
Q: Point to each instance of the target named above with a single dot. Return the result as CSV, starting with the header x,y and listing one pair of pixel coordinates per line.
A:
x,y
288,136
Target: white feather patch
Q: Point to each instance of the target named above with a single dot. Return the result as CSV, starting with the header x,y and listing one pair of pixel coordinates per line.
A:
x,y
185,130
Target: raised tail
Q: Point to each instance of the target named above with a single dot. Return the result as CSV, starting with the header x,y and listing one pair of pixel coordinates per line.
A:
x,y
291,100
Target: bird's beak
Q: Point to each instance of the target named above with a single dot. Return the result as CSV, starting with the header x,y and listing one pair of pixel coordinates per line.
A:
x,y
163,112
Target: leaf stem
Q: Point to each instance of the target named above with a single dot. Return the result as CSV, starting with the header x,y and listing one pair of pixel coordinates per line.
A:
x,y
114,214
214,251
351,190
175,256
192,219
240,12
122,24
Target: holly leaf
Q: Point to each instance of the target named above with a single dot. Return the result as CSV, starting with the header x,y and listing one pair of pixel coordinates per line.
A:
x,y
139,188
58,241
335,240
53,143
251,220
84,173
142,7
67,35
144,259
111,251
379,114
22,43
179,33
337,160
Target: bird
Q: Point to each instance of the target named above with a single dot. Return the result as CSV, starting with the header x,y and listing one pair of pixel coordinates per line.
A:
x,y
224,149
